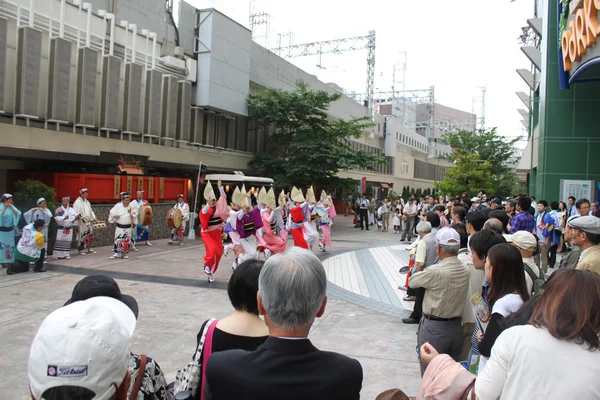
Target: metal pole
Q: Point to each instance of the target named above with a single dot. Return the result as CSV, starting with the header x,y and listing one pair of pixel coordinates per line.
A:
x,y
61,31
88,34
192,232
31,16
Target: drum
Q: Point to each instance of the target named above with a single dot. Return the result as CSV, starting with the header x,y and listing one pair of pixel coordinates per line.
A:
x,y
144,215
99,225
174,218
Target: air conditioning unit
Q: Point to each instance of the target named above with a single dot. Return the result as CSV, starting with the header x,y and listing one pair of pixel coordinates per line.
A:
x,y
87,75
169,108
152,112
111,83
28,71
3,38
132,112
184,111
59,79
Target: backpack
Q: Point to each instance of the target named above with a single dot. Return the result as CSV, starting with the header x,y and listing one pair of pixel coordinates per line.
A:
x,y
538,281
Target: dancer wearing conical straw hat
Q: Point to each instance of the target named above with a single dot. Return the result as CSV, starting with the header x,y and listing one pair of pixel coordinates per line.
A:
x,y
273,242
298,214
311,235
326,212
248,223
231,230
212,216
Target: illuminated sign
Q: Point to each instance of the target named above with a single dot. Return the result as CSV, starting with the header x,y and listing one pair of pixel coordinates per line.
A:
x,y
581,33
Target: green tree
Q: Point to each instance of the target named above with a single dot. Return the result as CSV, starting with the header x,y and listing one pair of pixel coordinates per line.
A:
x,y
479,158
306,147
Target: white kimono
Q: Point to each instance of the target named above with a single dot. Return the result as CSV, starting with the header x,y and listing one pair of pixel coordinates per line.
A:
x,y
85,236
65,219
32,215
122,217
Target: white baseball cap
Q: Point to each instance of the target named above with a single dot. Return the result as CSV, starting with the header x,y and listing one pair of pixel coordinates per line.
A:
x,y
523,239
447,236
85,344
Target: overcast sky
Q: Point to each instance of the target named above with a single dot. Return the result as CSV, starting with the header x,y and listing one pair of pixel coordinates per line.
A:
x,y
456,46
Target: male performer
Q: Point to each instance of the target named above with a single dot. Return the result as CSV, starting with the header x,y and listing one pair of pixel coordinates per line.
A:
x,y
177,233
326,212
211,221
41,212
86,216
65,218
248,222
298,213
273,243
30,248
9,221
123,215
142,233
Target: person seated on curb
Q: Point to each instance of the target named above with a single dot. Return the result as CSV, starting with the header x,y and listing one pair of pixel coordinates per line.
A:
x,y
154,384
29,248
291,294
81,352
447,283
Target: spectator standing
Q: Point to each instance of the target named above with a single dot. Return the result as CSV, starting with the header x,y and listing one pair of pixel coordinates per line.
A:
x,y
81,351
554,235
543,222
385,214
526,244
363,210
504,270
511,208
440,210
571,259
446,285
349,203
585,234
522,221
593,209
582,207
562,212
571,210
397,220
292,293
410,215
459,214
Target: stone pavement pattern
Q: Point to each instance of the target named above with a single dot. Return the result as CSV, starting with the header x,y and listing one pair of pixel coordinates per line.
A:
x,y
362,319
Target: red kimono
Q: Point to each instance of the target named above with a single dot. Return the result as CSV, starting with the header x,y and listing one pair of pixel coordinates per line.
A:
x,y
212,231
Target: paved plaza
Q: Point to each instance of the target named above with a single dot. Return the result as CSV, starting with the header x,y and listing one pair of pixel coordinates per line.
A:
x,y
362,319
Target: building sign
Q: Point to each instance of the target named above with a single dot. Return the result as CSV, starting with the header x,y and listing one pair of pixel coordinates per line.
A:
x,y
577,188
582,28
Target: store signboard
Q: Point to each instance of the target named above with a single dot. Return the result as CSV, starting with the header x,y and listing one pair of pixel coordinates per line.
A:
x,y
579,189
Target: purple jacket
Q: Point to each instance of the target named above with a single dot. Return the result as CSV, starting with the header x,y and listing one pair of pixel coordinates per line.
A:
x,y
249,224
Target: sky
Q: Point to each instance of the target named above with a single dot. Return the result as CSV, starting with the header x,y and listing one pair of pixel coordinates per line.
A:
x,y
455,46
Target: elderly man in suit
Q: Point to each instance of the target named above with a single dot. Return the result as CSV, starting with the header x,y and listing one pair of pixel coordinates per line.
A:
x,y
287,366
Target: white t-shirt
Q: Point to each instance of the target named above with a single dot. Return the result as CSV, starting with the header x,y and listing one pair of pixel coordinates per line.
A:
x,y
529,363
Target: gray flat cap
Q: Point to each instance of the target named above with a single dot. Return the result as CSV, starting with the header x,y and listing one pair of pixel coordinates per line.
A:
x,y
588,223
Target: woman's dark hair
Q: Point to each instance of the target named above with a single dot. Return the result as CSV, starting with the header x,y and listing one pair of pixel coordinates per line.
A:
x,y
433,219
243,286
569,307
68,393
502,216
461,212
563,204
467,201
462,232
507,273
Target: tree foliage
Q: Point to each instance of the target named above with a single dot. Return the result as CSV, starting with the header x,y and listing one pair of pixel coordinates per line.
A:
x,y
306,147
479,160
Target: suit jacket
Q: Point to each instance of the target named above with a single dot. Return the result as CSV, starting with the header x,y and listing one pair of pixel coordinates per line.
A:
x,y
591,259
282,369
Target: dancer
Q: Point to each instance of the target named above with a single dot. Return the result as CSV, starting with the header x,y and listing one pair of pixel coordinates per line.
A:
x,y
177,233
66,219
298,213
211,221
9,220
142,233
281,215
231,230
123,215
248,222
85,217
326,212
41,212
274,243
311,235
30,248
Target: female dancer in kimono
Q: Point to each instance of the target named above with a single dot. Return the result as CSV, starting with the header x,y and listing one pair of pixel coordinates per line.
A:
x,y
41,212
326,212
272,242
311,235
66,219
231,230
248,223
281,215
9,219
298,214
213,214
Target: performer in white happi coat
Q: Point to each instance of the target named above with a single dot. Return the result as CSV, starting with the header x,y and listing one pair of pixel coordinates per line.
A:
x,y
142,233
85,216
41,212
177,233
311,235
123,215
65,218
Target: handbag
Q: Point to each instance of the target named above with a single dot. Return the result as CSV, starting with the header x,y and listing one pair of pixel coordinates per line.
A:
x,y
189,377
207,353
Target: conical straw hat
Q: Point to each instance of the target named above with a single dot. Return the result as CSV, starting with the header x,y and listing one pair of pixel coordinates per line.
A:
x,y
209,193
270,199
235,198
297,195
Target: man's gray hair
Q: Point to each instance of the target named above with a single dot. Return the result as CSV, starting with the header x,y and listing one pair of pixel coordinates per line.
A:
x,y
423,227
292,286
494,224
450,249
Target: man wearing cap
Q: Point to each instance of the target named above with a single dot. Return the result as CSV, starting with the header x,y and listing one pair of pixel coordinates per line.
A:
x,y
526,243
65,218
447,284
9,221
85,218
142,233
81,351
570,259
177,233
585,233
123,215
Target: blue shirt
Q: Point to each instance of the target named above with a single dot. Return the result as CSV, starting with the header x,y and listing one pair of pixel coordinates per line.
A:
x,y
523,221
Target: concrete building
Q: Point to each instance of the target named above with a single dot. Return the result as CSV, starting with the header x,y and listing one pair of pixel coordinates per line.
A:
x,y
561,94
83,84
